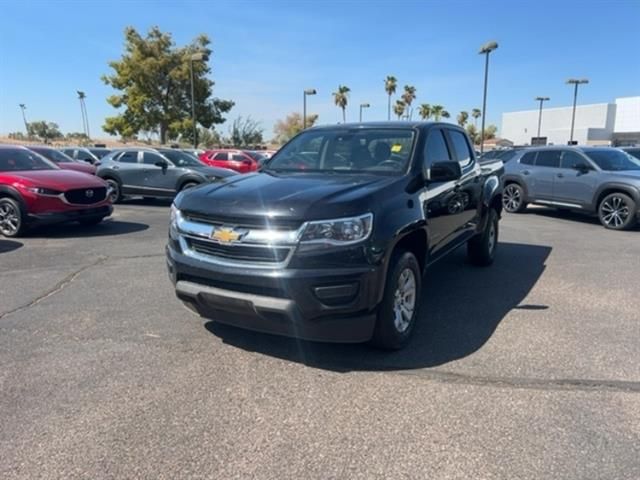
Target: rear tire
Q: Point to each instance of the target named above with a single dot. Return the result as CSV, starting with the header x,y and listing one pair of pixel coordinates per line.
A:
x,y
513,198
617,211
481,249
188,185
399,308
12,222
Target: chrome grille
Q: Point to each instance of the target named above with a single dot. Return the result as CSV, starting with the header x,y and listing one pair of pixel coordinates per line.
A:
x,y
239,252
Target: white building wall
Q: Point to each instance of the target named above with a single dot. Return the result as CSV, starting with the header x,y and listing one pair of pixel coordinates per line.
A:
x,y
594,123
627,115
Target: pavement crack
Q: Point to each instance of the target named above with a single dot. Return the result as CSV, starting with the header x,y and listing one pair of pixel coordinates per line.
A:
x,y
57,288
567,384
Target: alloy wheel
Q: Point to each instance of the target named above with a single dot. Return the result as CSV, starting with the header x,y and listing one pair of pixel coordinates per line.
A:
x,y
9,219
511,198
114,190
404,302
615,211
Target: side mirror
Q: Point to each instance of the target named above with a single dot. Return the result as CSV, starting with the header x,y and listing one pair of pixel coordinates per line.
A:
x,y
162,164
444,172
581,167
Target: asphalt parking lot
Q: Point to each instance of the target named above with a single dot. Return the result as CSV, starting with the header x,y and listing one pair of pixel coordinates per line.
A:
x,y
529,369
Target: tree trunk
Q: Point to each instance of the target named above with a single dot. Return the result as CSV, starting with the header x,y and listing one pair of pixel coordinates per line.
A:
x,y
344,115
163,134
389,109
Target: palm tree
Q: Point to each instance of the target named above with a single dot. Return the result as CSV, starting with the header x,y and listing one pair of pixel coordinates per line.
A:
x,y
390,85
409,96
462,118
424,111
398,108
436,111
476,113
341,98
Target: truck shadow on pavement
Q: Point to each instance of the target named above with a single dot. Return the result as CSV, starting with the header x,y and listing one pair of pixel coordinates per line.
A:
x,y
7,246
75,230
461,307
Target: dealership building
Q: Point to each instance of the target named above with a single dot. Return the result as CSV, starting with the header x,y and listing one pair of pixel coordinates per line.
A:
x,y
616,124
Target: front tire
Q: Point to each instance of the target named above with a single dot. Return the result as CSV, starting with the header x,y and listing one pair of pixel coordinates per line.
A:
x,y
11,218
116,190
188,185
513,198
481,249
617,211
399,308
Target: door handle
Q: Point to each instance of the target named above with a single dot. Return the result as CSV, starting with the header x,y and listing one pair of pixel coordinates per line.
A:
x,y
526,172
116,167
561,175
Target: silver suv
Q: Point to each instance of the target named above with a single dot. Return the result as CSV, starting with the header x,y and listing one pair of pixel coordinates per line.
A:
x,y
600,180
154,172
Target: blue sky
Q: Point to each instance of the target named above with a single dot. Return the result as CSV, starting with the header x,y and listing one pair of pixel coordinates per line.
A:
x,y
267,52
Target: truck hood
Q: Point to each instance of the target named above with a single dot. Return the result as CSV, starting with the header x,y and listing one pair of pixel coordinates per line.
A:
x,y
303,196
58,179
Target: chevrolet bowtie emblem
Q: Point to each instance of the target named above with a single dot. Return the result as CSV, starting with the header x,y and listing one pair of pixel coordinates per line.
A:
x,y
225,235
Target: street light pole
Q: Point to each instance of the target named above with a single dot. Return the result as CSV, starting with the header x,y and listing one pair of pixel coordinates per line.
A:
x,y
363,105
541,100
83,110
195,57
575,82
486,49
308,91
23,107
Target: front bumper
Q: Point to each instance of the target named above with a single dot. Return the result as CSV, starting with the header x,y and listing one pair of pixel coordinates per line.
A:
x,y
324,304
69,215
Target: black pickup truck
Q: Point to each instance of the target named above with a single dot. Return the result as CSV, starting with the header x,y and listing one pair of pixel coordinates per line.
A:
x,y
331,239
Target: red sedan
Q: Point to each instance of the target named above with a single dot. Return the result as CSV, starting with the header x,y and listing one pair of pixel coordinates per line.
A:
x,y
34,190
64,161
242,161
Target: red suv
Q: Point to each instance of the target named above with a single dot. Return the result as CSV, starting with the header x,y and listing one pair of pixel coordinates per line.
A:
x,y
34,190
243,161
64,161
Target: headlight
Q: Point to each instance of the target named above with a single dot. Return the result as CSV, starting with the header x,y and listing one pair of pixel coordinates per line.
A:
x,y
174,215
43,191
338,232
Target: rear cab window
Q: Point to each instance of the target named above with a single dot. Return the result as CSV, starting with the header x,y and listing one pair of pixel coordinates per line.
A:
x,y
461,148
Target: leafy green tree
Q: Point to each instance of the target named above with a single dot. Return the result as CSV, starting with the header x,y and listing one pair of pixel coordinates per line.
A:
x,y
424,110
399,108
154,80
439,112
472,131
490,132
476,113
45,131
462,118
291,125
245,132
341,99
208,137
390,85
408,96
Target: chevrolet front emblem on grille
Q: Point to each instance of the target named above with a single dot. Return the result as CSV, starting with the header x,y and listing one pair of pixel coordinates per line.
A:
x,y
225,235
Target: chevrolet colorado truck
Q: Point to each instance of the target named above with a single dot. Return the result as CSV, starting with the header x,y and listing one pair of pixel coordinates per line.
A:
x,y
330,240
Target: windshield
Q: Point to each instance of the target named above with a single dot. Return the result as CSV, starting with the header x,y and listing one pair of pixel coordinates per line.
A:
x,y
17,159
613,160
258,157
347,151
181,159
55,156
99,152
634,152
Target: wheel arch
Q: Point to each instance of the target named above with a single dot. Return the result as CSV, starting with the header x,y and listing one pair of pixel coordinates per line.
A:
x,y
11,192
610,188
188,178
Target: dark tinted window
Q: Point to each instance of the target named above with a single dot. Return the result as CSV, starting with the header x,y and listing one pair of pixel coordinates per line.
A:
x,y
84,155
436,149
181,159
16,159
150,158
528,158
53,155
99,152
634,152
508,155
68,151
220,156
572,160
613,160
238,157
548,158
460,147
128,157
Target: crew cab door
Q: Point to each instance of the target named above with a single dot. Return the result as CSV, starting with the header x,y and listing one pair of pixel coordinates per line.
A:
x,y
157,179
439,199
575,180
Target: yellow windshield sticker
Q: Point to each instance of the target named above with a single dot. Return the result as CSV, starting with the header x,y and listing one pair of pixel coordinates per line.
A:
x,y
396,148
